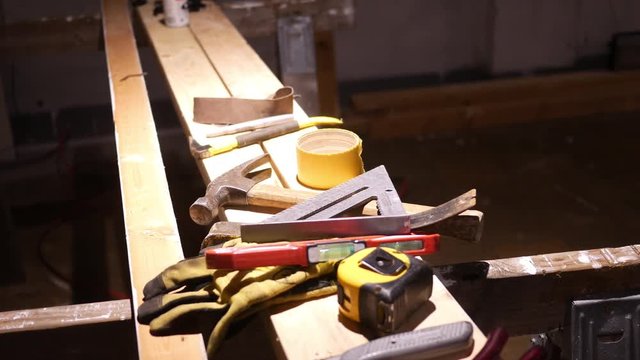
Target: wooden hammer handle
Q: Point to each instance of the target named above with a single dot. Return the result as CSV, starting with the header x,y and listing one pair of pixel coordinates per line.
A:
x,y
466,226
277,197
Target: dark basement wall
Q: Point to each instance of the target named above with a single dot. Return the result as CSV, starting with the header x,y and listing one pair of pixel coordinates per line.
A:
x,y
446,39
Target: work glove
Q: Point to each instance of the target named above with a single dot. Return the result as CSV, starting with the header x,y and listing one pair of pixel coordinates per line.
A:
x,y
209,300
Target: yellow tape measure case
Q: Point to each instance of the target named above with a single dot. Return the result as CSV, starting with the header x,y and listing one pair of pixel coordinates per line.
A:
x,y
381,287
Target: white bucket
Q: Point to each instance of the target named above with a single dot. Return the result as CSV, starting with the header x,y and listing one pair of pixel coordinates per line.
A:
x,y
176,13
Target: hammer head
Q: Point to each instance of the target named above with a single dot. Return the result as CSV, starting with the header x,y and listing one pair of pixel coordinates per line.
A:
x,y
230,188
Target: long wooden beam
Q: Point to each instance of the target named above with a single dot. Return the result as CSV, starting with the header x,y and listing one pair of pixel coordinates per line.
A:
x,y
64,316
543,285
110,340
7,151
403,113
498,91
152,235
246,75
526,294
50,36
529,294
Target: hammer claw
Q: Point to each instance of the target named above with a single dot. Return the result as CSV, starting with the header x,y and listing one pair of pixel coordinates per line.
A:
x,y
248,166
259,175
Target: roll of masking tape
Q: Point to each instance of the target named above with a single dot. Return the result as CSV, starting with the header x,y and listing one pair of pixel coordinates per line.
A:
x,y
328,157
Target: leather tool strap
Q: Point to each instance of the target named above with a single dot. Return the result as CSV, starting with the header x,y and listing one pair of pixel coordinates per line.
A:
x,y
235,110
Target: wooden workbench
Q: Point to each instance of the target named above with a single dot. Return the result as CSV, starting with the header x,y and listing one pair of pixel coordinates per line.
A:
x,y
211,59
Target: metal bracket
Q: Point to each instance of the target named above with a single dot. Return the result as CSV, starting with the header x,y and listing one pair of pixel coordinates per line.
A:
x,y
296,43
605,329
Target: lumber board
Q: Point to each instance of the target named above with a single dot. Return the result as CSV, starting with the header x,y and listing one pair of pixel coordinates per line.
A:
x,y
421,121
151,231
579,83
409,112
233,59
326,73
97,341
554,263
244,74
50,36
545,284
529,294
231,56
189,74
7,151
64,316
330,337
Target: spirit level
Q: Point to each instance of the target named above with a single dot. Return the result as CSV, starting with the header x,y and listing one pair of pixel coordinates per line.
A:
x,y
314,251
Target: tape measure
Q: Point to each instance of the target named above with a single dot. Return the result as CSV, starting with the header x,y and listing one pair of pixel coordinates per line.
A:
x,y
381,287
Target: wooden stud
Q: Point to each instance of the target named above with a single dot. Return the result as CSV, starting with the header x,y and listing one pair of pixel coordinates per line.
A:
x,y
411,112
150,225
7,151
326,74
498,91
64,316
529,294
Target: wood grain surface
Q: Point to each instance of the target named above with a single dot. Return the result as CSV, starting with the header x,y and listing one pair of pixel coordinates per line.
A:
x,y
64,316
151,231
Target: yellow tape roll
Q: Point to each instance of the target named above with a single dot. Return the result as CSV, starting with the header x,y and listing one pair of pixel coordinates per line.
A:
x,y
328,157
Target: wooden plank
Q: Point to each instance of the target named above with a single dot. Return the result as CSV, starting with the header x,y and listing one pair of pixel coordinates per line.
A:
x,y
326,73
420,121
554,263
189,74
562,275
331,337
246,75
231,55
150,225
528,294
389,114
500,91
7,151
64,316
106,340
50,36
